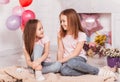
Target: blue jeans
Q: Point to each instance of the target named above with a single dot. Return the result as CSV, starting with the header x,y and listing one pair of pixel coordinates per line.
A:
x,y
77,66
46,66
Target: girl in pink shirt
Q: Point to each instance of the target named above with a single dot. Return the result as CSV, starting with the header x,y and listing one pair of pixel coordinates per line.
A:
x,y
71,39
36,49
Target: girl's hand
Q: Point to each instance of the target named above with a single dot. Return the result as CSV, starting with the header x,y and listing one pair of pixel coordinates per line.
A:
x,y
35,65
92,44
61,61
37,61
39,67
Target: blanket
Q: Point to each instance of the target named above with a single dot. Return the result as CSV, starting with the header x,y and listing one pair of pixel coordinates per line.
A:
x,y
21,74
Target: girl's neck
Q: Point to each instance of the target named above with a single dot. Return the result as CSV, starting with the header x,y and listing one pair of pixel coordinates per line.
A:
x,y
37,39
69,33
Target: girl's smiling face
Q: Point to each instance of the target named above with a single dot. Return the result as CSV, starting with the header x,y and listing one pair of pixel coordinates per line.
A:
x,y
63,22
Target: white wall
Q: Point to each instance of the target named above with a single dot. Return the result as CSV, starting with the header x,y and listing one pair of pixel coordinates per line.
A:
x,y
92,6
45,10
116,30
8,39
48,13
105,20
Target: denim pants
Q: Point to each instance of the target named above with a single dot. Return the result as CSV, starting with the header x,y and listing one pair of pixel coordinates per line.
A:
x,y
46,66
77,66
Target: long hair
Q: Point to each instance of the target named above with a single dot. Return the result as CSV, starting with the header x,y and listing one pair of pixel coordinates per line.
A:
x,y
73,21
29,35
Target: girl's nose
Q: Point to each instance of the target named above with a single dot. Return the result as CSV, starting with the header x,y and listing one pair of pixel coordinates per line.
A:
x,y
62,23
42,30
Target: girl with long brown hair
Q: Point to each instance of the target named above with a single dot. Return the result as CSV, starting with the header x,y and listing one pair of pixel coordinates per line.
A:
x,y
71,39
36,49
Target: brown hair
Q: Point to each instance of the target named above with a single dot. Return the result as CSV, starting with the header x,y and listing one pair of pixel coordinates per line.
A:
x,y
29,34
74,24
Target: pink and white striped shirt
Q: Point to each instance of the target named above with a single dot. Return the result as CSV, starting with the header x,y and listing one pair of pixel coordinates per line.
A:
x,y
42,41
70,44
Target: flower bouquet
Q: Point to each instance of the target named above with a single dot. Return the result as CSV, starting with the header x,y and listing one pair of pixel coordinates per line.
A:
x,y
112,52
113,57
100,39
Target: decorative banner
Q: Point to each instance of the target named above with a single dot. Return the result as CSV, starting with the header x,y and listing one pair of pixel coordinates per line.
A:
x,y
13,22
18,10
4,1
25,3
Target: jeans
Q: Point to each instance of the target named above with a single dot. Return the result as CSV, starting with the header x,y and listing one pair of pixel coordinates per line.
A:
x,y
77,66
46,66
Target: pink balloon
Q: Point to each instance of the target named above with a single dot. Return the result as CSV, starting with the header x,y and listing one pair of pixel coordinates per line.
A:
x,y
18,10
22,27
4,1
27,14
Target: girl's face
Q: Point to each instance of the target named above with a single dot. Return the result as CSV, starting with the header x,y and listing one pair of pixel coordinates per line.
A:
x,y
63,21
39,30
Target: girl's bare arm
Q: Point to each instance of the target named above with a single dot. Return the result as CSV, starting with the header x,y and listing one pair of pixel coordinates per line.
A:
x,y
75,53
60,49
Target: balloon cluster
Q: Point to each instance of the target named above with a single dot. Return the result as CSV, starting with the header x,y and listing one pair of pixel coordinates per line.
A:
x,y
19,15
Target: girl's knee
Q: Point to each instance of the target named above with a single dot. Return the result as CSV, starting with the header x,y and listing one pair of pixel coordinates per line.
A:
x,y
71,62
57,66
37,51
64,72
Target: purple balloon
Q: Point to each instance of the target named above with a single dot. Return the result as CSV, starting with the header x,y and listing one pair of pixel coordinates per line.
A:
x,y
13,22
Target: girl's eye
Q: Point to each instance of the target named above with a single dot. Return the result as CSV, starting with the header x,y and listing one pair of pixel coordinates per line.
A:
x,y
40,28
62,21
